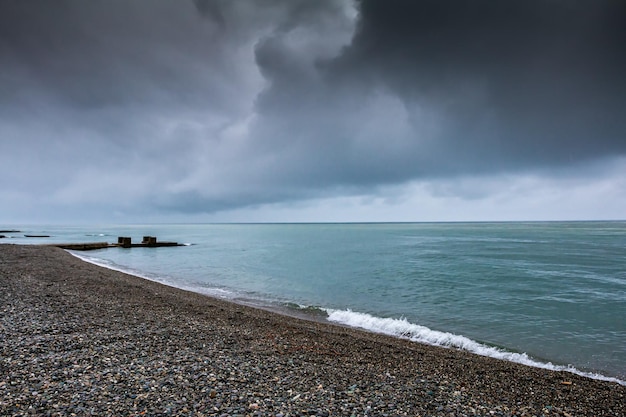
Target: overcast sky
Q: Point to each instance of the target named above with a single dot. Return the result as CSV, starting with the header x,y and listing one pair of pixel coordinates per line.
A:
x,y
312,110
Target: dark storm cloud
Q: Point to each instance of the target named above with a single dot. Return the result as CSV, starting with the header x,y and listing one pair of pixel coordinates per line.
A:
x,y
90,55
517,82
431,89
206,105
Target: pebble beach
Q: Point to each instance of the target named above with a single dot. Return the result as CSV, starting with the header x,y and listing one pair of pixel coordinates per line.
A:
x,y
79,339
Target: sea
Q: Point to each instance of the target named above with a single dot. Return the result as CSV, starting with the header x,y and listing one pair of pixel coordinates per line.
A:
x,y
545,294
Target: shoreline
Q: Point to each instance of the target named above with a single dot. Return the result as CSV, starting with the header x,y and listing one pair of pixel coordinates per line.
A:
x,y
81,338
356,321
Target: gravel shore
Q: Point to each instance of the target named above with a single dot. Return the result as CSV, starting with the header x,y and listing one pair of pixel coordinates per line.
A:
x,y
78,339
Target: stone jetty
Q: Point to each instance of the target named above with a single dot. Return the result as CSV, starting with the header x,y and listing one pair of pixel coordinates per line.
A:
x,y
122,242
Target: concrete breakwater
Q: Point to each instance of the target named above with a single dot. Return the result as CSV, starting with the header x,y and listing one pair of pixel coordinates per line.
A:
x,y
122,241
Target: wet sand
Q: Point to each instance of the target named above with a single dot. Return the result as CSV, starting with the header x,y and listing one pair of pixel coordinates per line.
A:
x,y
78,338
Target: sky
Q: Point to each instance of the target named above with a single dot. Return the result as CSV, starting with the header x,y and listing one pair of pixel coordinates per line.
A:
x,y
312,110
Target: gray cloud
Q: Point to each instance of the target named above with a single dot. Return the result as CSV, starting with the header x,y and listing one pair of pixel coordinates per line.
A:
x,y
208,105
517,83
429,89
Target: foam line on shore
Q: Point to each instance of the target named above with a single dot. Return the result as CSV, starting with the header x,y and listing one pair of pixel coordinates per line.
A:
x,y
404,329
220,293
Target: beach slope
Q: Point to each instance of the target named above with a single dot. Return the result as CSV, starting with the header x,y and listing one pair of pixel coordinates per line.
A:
x,y
78,338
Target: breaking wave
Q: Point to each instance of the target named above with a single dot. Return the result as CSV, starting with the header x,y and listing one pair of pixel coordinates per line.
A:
x,y
404,329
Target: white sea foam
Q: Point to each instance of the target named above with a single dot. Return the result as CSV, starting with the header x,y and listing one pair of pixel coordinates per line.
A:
x,y
110,265
212,291
402,328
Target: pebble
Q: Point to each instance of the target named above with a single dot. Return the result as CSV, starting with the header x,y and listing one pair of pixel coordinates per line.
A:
x,y
81,340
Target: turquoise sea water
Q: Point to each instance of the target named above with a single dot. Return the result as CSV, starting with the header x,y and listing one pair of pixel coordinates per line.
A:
x,y
550,294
